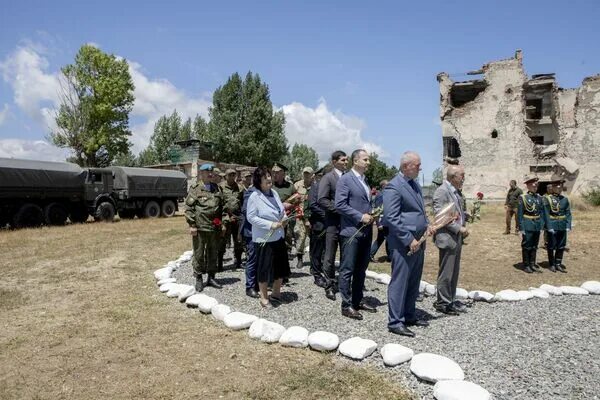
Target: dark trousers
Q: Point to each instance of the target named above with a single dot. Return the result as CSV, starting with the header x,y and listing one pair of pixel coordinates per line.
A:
x,y
317,249
404,285
530,240
381,235
250,263
556,240
331,246
449,267
355,261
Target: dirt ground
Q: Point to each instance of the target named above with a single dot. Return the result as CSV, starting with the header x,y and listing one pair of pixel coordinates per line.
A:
x,y
491,260
81,318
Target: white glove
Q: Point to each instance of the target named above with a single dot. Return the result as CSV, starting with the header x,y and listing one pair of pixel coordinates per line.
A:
x,y
551,231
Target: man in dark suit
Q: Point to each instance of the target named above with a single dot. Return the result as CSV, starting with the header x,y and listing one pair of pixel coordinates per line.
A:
x,y
353,203
382,231
317,232
326,199
404,216
449,241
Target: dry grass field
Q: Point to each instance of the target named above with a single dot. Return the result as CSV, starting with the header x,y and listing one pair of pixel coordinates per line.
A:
x,y
81,318
491,260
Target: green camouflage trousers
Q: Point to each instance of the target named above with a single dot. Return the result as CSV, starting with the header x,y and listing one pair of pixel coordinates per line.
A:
x,y
205,246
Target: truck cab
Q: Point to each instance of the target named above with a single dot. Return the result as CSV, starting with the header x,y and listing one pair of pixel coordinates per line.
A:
x,y
98,189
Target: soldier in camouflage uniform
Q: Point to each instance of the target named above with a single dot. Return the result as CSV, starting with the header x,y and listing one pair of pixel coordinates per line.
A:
x,y
302,226
285,190
205,215
557,221
531,221
233,206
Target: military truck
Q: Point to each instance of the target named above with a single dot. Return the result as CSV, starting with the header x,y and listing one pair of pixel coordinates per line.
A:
x,y
33,193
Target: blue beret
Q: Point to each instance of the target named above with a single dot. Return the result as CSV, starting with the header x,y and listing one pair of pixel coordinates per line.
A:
x,y
206,167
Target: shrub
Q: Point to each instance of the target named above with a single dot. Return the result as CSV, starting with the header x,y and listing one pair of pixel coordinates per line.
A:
x,y
592,196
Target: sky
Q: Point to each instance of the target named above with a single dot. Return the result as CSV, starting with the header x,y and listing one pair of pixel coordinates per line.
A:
x,y
347,74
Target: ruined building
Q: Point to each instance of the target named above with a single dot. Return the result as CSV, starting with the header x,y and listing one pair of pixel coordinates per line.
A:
x,y
503,125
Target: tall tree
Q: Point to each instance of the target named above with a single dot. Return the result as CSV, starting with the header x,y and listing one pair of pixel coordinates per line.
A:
x,y
147,156
166,133
185,133
200,129
301,156
95,100
378,171
243,125
125,160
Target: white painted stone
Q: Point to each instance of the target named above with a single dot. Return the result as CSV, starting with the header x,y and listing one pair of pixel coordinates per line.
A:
x,y
507,295
461,294
539,293
553,290
168,280
574,290
481,295
163,273
266,331
591,286
395,354
430,290
384,279
185,291
164,288
422,286
239,320
295,336
192,301
188,253
525,294
323,341
432,368
357,348
371,274
459,390
174,290
337,263
206,304
219,311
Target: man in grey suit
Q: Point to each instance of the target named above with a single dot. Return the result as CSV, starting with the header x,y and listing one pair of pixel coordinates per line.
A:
x,y
353,203
404,216
326,199
449,241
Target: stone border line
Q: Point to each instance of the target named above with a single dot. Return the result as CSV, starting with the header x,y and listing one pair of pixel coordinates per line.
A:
x,y
446,375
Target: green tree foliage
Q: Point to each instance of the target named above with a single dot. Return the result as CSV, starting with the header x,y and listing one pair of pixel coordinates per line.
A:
x,y
125,160
438,176
148,156
243,125
186,130
166,133
200,129
93,117
299,157
378,171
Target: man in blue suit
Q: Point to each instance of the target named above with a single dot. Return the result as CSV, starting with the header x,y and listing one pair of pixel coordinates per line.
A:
x,y
353,203
404,216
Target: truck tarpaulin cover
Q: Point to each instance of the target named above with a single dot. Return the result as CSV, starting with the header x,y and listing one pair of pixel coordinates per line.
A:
x,y
26,174
137,181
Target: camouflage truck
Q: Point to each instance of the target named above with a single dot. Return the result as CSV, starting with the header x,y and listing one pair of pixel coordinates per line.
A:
x,y
34,193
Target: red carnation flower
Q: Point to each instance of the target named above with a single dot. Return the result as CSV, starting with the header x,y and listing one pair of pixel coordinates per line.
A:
x,y
480,195
217,222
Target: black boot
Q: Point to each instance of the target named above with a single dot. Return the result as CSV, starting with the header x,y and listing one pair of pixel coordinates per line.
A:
x,y
551,265
526,267
199,284
238,261
220,262
532,257
558,261
300,263
212,282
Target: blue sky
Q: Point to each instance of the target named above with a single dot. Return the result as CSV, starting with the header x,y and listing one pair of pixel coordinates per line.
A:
x,y
346,73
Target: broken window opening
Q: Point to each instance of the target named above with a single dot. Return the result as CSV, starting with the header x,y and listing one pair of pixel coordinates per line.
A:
x,y
494,134
462,93
537,139
533,109
538,169
451,147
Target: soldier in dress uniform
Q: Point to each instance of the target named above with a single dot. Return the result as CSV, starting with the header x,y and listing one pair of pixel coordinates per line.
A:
x,y
205,215
531,221
557,221
302,225
233,205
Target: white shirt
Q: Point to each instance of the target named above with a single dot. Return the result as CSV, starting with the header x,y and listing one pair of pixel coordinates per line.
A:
x,y
338,172
457,201
361,178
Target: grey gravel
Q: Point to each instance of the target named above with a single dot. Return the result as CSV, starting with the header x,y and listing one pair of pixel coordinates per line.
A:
x,y
534,349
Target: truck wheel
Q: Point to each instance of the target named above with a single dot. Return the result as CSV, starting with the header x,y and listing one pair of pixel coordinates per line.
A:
x,y
79,214
55,214
29,215
168,208
127,214
105,212
152,209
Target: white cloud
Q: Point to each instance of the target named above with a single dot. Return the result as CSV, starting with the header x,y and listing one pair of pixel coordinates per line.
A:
x,y
32,150
326,131
4,114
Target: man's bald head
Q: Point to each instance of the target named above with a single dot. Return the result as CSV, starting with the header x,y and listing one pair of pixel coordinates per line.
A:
x,y
410,164
456,175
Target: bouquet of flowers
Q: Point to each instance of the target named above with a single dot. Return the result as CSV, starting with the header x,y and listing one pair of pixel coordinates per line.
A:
x,y
375,213
445,216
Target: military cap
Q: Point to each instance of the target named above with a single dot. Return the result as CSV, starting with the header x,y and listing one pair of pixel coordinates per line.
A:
x,y
279,167
230,171
530,178
246,173
308,170
206,167
557,178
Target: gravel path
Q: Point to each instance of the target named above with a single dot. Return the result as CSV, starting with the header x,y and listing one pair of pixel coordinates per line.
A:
x,y
535,349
